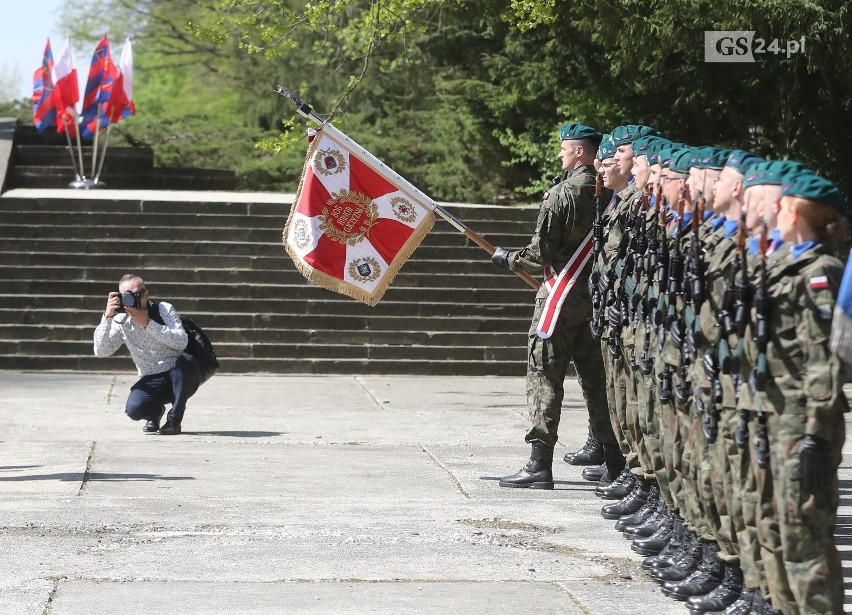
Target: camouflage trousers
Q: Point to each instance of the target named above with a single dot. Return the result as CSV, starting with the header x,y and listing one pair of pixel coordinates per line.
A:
x,y
806,520
616,393
547,364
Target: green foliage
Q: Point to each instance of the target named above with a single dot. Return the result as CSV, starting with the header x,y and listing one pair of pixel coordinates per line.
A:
x,y
464,97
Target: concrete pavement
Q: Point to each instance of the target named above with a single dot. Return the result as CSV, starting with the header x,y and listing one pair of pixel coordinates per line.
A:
x,y
304,494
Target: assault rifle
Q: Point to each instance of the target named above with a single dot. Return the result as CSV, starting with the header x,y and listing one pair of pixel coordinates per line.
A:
x,y
649,302
760,335
595,276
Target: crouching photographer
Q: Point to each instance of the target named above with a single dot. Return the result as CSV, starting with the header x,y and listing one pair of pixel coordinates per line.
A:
x,y
168,375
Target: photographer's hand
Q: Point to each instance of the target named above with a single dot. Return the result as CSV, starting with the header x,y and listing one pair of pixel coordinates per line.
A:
x,y
113,303
140,317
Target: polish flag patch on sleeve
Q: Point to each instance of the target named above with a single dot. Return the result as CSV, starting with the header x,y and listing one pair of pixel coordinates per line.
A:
x,y
819,282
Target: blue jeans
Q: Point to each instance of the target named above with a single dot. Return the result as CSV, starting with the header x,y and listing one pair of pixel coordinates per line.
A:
x,y
150,394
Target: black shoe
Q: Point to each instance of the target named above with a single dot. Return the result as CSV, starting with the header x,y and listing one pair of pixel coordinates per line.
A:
x,y
537,474
706,578
591,454
153,424
656,542
628,505
685,562
169,429
742,606
594,473
618,489
666,557
723,596
641,516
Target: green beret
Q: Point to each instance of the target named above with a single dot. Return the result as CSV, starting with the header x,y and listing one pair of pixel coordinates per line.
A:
x,y
709,157
769,173
681,160
814,188
629,133
643,146
740,160
665,155
570,132
606,149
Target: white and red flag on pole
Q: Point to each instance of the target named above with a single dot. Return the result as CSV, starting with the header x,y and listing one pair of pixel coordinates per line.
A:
x,y
355,221
66,92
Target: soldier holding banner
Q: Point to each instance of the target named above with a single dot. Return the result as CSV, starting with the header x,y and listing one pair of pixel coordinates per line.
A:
x,y
560,250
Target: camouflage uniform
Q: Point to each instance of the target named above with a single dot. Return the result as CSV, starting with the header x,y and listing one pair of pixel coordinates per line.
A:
x,y
564,220
803,397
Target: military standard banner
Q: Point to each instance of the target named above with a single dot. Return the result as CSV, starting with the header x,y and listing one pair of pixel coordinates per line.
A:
x,y
354,222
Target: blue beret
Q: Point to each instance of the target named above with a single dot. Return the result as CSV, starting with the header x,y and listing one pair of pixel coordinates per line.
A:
x,y
814,188
569,132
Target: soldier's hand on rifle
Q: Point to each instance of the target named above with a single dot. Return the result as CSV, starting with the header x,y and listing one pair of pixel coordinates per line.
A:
x,y
814,465
500,258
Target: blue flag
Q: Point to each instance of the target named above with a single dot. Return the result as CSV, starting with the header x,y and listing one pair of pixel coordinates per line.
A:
x,y
841,326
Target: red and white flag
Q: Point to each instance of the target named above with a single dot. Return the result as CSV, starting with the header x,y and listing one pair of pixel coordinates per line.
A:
x,y
120,103
66,91
355,221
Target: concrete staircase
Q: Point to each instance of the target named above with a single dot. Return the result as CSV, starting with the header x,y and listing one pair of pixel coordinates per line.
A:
x,y
218,258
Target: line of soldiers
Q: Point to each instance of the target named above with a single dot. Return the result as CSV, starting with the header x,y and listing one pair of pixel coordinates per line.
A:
x,y
713,288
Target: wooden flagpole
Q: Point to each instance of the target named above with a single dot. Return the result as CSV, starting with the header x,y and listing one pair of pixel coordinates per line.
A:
x,y
305,111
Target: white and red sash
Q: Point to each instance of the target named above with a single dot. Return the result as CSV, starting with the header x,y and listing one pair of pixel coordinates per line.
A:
x,y
560,285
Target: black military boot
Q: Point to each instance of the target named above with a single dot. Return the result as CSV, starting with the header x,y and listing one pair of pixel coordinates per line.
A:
x,y
706,578
723,596
619,488
684,564
594,473
629,505
656,542
665,557
538,473
650,509
614,463
592,453
742,606
652,524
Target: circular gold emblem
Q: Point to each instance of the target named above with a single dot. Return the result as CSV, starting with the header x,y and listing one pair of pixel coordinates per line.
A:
x,y
329,162
364,269
403,209
301,234
348,217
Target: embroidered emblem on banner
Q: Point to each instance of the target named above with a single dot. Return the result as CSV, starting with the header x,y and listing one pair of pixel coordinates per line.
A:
x,y
301,234
329,162
403,209
348,217
560,286
365,269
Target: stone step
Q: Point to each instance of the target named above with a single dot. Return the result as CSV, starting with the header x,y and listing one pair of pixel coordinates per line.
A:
x,y
458,321
267,244
471,215
107,278
330,305
129,160
285,366
41,290
83,333
507,234
122,263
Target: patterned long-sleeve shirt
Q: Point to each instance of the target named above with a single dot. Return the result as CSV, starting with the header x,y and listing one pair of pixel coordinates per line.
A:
x,y
154,349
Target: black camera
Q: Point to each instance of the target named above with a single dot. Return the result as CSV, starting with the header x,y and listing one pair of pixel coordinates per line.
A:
x,y
130,300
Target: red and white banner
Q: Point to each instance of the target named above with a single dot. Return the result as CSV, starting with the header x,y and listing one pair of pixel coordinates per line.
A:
x,y
560,286
354,222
